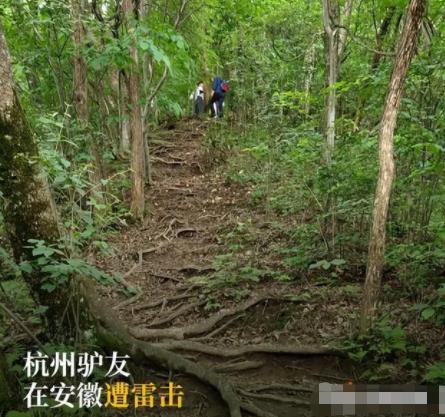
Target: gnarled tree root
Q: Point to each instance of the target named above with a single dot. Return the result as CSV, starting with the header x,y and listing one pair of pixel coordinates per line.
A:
x,y
239,366
112,333
181,333
191,346
276,398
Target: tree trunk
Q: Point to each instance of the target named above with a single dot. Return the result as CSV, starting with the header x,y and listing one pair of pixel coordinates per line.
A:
x,y
332,97
335,45
124,142
81,90
136,125
310,69
28,208
80,67
147,75
380,37
406,50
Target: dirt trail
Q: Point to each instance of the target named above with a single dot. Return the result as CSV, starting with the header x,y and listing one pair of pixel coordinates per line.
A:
x,y
191,210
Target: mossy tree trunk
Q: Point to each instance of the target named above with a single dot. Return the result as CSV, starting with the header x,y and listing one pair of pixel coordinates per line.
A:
x,y
27,205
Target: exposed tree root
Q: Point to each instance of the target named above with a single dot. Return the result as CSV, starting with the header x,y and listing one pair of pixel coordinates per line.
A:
x,y
157,303
122,280
126,303
180,333
177,313
142,252
239,366
220,329
279,387
225,352
276,398
114,335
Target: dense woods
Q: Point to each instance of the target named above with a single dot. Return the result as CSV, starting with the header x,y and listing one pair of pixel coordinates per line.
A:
x,y
297,239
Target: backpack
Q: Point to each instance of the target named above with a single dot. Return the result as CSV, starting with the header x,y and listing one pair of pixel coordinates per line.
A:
x,y
224,87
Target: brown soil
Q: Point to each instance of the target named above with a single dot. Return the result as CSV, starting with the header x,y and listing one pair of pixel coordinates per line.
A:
x,y
192,209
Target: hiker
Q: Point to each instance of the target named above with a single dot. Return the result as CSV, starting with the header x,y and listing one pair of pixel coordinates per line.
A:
x,y
198,98
219,89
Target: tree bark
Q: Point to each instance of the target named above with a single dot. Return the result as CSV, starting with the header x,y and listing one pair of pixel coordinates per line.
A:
x,y
376,252
136,124
335,45
80,67
81,90
28,207
380,37
124,127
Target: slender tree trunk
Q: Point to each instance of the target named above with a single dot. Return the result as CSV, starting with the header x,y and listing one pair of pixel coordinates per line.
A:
x,y
331,108
81,89
124,118
406,51
136,124
28,207
147,72
80,67
335,44
380,37
310,69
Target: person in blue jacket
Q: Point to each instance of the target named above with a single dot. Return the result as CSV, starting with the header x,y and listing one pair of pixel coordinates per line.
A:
x,y
217,101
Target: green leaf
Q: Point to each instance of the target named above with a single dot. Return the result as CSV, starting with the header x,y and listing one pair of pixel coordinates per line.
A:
x,y
48,286
428,313
25,267
338,262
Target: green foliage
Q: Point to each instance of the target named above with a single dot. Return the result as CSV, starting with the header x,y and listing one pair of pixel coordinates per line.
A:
x,y
58,267
229,274
435,308
436,373
385,351
272,52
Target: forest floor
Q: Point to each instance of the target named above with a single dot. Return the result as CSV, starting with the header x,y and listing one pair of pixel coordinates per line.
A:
x,y
185,301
